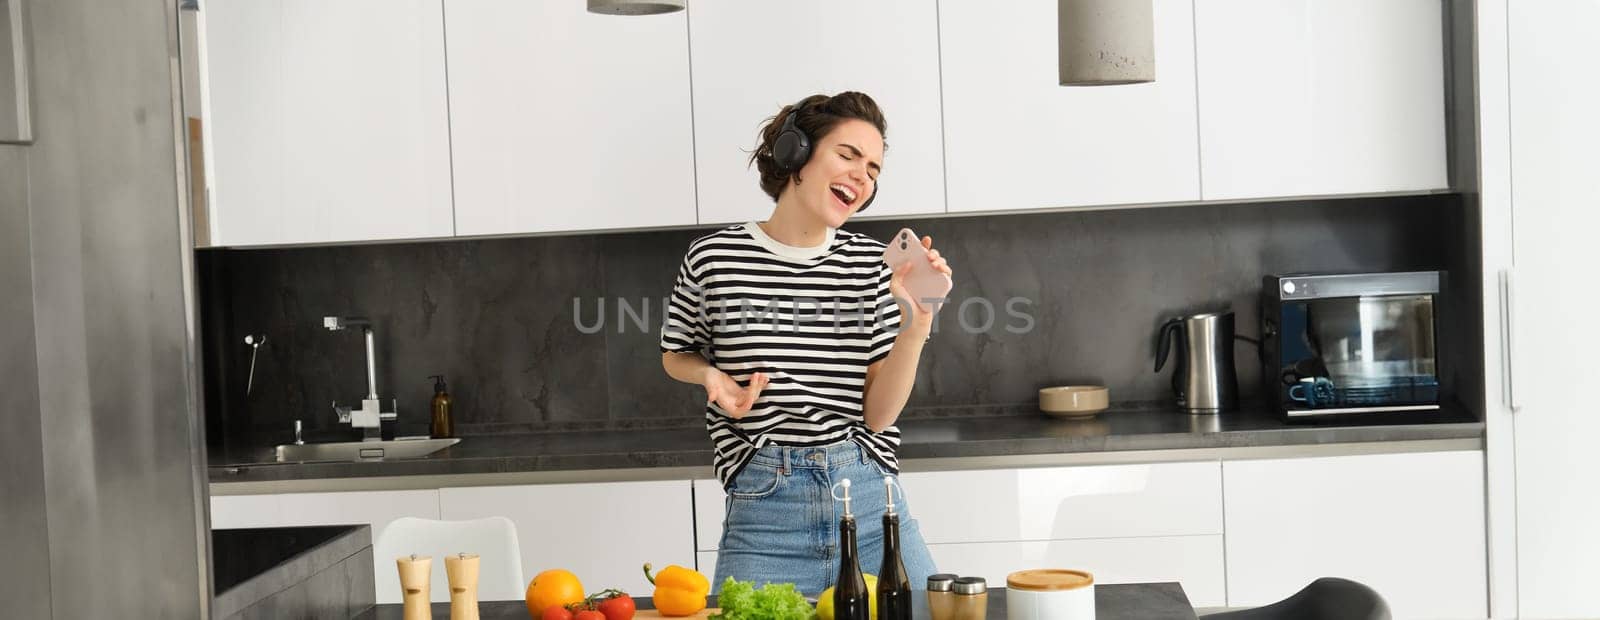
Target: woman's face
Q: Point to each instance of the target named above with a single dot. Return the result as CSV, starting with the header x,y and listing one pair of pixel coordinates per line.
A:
x,y
842,173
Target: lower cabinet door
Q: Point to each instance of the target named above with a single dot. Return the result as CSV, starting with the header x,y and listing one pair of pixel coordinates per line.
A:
x,y
1194,561
710,509
1411,526
706,563
602,532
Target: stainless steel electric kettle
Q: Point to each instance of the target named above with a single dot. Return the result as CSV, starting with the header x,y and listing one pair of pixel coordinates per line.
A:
x,y
1204,380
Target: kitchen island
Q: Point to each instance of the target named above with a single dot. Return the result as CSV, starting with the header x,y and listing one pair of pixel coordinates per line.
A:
x,y
1130,601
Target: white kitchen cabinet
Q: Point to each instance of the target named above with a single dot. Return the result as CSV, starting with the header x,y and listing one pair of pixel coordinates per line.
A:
x,y
602,532
752,57
1411,526
327,121
1547,170
1047,503
562,119
1194,561
710,509
374,508
1060,503
706,563
1016,139
1307,97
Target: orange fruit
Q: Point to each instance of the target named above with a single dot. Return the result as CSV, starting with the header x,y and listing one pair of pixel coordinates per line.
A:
x,y
553,587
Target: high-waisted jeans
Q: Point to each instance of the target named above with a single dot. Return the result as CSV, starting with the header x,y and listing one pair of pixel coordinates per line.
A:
x,y
782,522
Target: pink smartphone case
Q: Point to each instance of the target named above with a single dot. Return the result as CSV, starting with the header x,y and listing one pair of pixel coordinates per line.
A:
x,y
924,282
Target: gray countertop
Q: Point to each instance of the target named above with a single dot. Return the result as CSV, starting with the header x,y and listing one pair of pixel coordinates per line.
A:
x,y
1142,601
942,438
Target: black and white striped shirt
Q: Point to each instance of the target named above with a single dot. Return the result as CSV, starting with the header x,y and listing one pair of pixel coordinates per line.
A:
x,y
811,319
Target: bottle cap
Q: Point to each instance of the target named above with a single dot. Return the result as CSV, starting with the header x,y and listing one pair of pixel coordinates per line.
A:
x,y
940,582
888,495
970,585
438,383
846,498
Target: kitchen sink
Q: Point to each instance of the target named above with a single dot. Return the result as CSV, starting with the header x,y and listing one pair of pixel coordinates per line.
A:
x,y
362,450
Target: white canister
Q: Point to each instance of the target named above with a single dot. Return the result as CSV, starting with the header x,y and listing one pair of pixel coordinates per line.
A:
x,y
1050,594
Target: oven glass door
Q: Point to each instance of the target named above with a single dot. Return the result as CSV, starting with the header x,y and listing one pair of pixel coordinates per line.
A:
x,y
1352,352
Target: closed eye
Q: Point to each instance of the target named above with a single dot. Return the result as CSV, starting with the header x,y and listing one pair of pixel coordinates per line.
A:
x,y
850,152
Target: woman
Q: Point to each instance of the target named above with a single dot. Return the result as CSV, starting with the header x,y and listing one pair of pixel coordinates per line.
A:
x,y
810,357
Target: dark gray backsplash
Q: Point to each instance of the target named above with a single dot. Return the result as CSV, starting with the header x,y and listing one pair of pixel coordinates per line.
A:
x,y
497,316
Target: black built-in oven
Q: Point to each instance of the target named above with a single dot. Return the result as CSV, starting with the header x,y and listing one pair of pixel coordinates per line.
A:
x,y
1351,345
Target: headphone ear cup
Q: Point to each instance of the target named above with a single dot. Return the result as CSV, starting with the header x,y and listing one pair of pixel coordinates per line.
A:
x,y
793,147
874,196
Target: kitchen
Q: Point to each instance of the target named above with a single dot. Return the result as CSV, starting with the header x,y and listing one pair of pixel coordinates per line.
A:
x,y
390,163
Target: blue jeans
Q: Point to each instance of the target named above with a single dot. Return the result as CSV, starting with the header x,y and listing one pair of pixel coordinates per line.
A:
x,y
782,522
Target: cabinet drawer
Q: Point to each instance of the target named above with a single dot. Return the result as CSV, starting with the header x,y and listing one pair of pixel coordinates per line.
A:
x,y
1194,561
601,532
1064,503
374,508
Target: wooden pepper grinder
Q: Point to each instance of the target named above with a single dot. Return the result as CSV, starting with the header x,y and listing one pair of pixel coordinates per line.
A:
x,y
462,569
414,573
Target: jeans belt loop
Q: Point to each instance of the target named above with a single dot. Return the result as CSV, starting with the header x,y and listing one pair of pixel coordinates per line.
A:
x,y
783,460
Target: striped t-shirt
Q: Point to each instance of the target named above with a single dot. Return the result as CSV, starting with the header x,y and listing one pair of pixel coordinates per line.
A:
x,y
811,319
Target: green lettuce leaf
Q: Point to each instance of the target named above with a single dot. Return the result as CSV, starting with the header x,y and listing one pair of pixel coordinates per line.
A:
x,y
740,600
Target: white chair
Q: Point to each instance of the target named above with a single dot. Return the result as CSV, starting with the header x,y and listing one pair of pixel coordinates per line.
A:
x,y
494,539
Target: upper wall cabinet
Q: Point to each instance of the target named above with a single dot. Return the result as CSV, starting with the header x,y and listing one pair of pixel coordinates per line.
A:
x,y
565,120
327,121
1016,139
752,57
1306,97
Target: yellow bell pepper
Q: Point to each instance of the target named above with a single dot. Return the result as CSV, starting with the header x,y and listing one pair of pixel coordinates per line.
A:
x,y
679,591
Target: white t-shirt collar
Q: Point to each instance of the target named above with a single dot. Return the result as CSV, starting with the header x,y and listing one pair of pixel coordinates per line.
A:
x,y
788,251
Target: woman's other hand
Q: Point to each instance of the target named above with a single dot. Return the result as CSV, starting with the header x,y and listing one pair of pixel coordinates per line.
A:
x,y
897,282
734,399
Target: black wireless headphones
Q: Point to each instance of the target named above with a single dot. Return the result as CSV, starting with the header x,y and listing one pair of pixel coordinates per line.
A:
x,y
792,149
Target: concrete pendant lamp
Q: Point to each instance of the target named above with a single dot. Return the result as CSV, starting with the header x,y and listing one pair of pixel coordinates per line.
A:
x,y
634,7
1105,42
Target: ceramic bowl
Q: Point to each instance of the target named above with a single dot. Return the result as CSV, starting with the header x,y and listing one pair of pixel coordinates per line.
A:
x,y
1074,401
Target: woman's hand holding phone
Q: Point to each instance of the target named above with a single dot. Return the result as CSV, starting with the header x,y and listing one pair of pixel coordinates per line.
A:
x,y
920,273
734,399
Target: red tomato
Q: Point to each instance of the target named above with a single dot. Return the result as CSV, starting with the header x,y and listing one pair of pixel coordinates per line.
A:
x,y
556,612
619,607
589,614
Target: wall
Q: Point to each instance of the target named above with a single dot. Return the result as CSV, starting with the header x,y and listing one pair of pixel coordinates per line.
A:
x,y
497,315
104,442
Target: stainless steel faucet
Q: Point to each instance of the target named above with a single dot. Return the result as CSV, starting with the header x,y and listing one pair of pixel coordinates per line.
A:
x,y
371,415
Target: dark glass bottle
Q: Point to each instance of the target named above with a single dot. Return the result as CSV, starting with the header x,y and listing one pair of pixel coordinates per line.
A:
x,y
442,425
894,587
851,600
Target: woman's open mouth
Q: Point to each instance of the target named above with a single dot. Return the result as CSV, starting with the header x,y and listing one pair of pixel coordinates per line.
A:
x,y
843,194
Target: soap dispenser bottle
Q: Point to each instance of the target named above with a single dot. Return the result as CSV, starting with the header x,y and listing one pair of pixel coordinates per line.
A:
x,y
443,425
851,600
894,587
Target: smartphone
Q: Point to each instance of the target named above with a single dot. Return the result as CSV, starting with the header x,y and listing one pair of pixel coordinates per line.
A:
x,y
928,285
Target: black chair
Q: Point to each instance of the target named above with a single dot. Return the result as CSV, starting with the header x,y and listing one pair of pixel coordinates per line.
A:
x,y
1328,598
